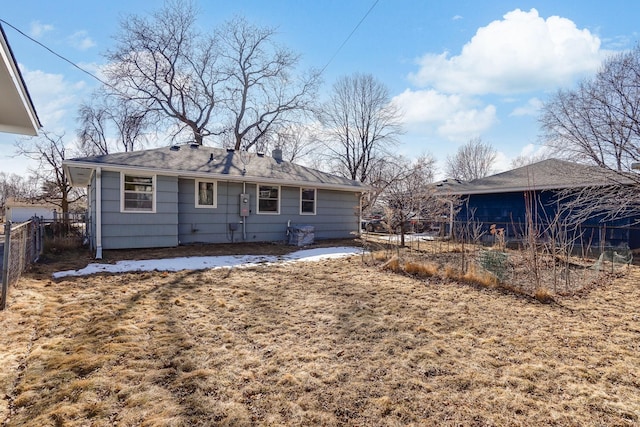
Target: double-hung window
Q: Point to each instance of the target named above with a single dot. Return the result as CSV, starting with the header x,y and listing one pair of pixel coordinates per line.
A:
x,y
205,194
308,201
138,193
268,199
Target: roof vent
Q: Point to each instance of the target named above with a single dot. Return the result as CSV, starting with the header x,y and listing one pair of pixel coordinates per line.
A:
x,y
175,148
194,145
260,153
230,150
211,157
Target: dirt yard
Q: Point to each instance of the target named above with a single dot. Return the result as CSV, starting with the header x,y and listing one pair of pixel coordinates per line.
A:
x,y
330,343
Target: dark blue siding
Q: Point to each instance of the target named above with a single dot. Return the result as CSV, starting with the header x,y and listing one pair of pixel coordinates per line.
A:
x,y
509,211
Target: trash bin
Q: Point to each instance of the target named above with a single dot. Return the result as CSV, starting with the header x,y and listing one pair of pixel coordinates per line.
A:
x,y
301,235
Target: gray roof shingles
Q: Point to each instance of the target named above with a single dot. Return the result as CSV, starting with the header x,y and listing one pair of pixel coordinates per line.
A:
x,y
191,160
550,174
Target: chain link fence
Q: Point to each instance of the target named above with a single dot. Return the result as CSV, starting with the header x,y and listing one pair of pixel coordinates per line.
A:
x,y
21,246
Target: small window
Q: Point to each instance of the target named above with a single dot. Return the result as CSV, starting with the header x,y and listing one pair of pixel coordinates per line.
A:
x,y
138,193
307,201
268,199
206,194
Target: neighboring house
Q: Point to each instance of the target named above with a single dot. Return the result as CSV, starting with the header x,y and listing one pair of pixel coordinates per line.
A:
x,y
17,114
500,199
19,211
188,193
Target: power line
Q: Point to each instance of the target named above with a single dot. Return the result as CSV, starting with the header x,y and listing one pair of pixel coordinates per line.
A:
x,y
57,54
349,36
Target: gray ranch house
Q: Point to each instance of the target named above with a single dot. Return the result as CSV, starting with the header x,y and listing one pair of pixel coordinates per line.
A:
x,y
190,193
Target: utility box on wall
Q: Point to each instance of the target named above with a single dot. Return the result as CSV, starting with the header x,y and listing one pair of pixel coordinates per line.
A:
x,y
244,204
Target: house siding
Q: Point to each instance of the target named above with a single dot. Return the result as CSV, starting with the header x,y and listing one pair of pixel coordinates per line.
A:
x,y
508,211
336,215
122,230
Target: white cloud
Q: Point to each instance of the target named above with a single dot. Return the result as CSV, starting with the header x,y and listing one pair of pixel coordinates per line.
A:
x,y
454,117
54,98
424,106
535,151
466,124
501,163
521,52
532,108
38,29
81,41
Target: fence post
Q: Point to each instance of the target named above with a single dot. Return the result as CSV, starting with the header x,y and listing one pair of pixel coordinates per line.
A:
x,y
40,236
5,264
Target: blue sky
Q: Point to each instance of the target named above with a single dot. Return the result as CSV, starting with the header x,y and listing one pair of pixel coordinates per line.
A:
x,y
457,69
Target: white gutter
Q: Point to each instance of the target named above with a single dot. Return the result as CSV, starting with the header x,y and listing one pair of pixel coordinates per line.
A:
x,y
98,213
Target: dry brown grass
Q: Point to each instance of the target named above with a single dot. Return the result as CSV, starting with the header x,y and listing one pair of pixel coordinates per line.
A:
x,y
330,343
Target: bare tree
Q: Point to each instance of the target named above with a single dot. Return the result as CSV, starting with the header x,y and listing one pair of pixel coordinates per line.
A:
x,y
473,160
260,95
360,125
169,68
50,150
296,141
405,193
14,186
599,121
111,124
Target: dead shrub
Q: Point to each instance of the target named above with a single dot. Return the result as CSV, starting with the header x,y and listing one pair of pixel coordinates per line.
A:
x,y
380,255
392,265
421,269
481,278
451,273
543,295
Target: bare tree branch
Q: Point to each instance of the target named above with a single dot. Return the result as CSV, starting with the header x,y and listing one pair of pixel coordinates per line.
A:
x,y
473,160
360,124
260,93
50,150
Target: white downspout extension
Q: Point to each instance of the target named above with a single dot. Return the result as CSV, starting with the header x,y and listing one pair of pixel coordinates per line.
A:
x,y
99,213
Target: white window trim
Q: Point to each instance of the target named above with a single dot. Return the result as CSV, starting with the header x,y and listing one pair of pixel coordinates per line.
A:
x,y
215,194
153,184
315,200
258,199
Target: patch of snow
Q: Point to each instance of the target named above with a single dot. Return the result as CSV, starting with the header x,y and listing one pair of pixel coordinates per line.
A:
x,y
210,262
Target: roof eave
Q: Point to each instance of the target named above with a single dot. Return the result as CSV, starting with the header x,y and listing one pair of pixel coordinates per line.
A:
x,y
70,164
26,122
523,189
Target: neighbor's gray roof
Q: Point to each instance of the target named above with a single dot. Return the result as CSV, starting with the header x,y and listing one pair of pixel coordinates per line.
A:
x,y
207,162
550,174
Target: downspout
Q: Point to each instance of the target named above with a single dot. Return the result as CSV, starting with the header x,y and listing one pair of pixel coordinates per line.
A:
x,y
99,213
244,219
360,213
